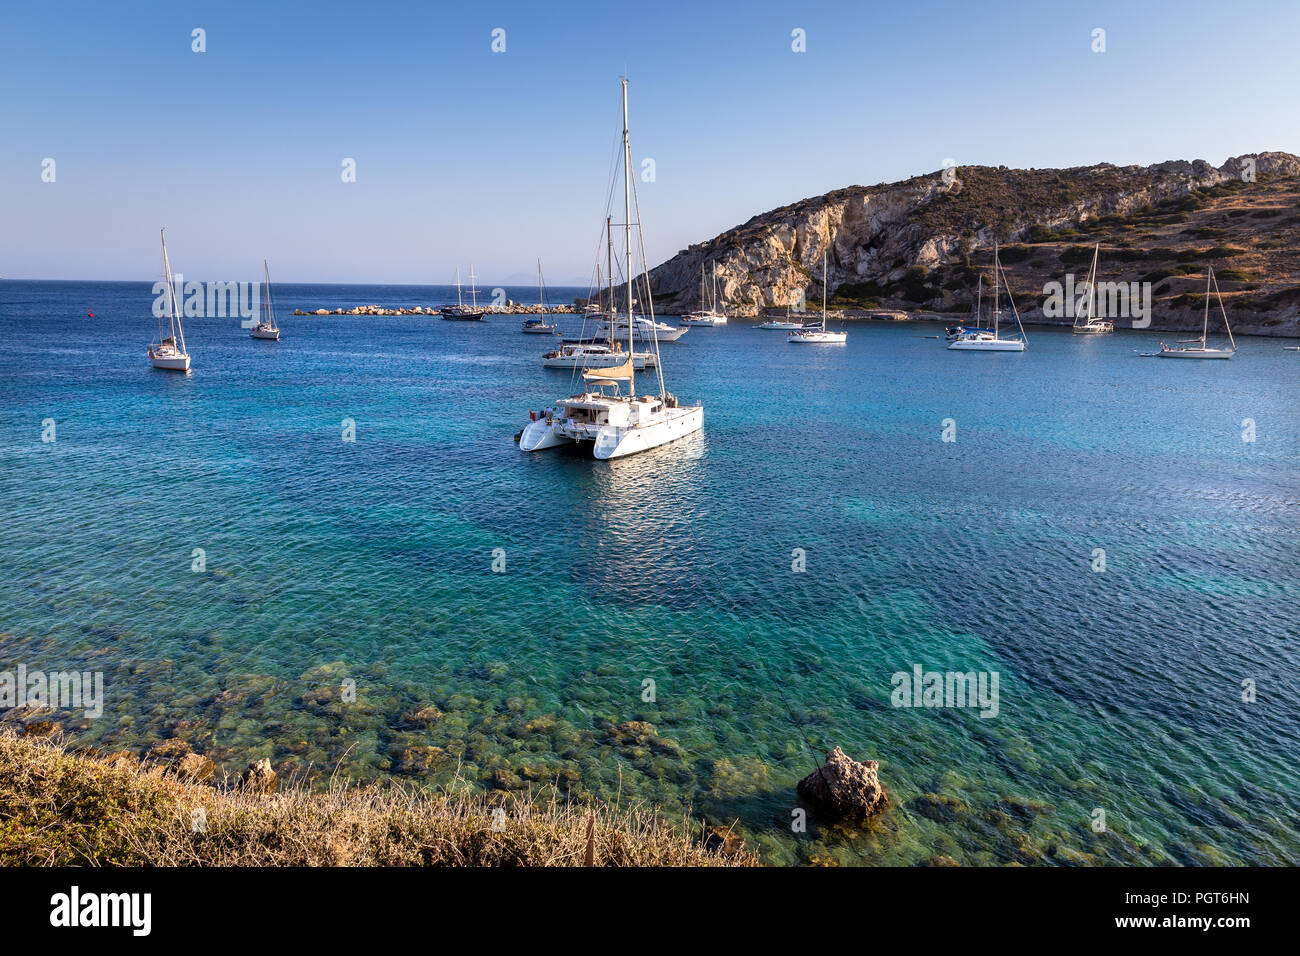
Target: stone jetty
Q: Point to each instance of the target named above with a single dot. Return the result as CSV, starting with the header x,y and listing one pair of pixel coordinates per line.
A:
x,y
510,308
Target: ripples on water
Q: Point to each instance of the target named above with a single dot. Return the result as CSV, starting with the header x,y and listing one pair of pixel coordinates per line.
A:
x,y
372,561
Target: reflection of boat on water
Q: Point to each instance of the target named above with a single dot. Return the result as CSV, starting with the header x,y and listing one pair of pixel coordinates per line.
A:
x,y
616,423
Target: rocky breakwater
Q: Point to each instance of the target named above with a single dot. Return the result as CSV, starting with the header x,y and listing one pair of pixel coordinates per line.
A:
x,y
510,308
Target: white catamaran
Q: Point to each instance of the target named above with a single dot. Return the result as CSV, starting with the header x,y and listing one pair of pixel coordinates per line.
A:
x,y
815,333
266,327
616,424
169,351
1196,348
990,340
1086,321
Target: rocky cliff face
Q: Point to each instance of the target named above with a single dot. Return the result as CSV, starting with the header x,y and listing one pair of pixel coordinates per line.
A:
x,y
921,243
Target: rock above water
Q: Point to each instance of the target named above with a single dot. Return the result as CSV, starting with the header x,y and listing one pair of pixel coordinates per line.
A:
x,y
843,787
259,777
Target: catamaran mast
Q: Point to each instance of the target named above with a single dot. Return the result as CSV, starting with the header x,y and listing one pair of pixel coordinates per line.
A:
x,y
627,238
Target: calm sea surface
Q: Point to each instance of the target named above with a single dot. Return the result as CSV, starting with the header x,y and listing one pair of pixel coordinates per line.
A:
x,y
336,564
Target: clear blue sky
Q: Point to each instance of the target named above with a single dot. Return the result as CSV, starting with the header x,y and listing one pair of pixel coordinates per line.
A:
x,y
468,155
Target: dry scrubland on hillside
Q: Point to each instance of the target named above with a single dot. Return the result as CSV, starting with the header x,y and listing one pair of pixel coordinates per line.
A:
x,y
58,807
921,244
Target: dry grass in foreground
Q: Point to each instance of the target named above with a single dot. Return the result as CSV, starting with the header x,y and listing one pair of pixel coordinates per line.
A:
x,y
58,807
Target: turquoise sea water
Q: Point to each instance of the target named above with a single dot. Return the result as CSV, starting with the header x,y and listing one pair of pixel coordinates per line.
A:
x,y
372,562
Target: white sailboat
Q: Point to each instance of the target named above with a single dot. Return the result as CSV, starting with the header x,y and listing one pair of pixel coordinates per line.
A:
x,y
789,324
816,334
991,340
616,424
1086,322
266,327
710,316
460,312
169,351
539,326
1185,349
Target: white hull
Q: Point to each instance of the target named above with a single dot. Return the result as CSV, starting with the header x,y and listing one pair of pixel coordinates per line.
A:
x,y
818,338
1196,353
704,320
171,363
260,333
1094,329
782,326
646,335
613,441
640,361
540,330
987,345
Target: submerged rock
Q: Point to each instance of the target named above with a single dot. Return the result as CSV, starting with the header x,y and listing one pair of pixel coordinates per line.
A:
x,y
843,787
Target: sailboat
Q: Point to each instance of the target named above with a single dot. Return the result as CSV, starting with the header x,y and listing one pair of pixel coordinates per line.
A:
x,y
1086,322
539,326
169,352
954,332
789,324
615,423
460,312
815,333
602,350
991,340
1185,349
710,316
266,328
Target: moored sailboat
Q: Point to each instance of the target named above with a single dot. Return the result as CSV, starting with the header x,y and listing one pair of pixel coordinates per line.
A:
x,y
169,352
991,340
816,334
1196,348
460,312
1087,322
615,423
266,327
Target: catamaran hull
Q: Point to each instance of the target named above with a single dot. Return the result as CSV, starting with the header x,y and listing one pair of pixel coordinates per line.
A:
x,y
1196,354
609,441
996,345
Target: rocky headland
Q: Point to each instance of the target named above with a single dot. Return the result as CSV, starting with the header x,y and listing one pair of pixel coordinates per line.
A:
x,y
922,244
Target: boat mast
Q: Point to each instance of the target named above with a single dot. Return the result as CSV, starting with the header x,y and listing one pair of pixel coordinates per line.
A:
x,y
173,311
627,239
979,301
541,292
996,311
825,253
473,289
1092,286
1205,323
270,307
460,303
